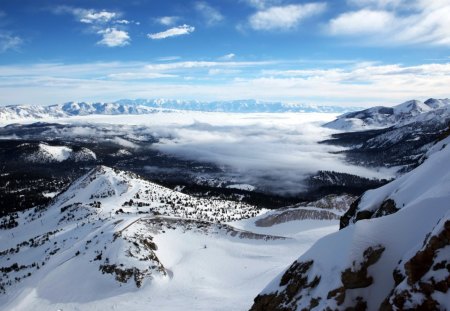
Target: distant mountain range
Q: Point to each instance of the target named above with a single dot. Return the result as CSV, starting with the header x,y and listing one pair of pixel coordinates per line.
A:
x,y
145,106
235,106
400,115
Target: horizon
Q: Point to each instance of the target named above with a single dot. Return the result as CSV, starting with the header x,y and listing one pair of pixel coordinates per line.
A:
x,y
355,53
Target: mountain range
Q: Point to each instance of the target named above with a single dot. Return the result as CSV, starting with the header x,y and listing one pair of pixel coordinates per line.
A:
x,y
145,106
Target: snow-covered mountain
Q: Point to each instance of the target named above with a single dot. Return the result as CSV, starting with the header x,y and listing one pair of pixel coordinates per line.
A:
x,y
381,117
105,223
23,112
234,106
392,253
114,240
145,106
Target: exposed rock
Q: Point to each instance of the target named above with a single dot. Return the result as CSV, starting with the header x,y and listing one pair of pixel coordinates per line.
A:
x,y
426,273
295,281
357,278
387,207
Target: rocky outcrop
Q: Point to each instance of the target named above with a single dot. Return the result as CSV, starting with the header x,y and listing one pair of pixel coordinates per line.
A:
x,y
353,215
422,282
299,281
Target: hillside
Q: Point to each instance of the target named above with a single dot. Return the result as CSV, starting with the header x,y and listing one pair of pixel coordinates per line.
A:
x,y
392,252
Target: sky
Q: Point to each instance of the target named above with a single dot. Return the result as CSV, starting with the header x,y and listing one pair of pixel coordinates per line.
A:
x,y
341,52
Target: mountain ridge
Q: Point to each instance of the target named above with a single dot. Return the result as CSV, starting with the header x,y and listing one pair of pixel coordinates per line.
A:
x,y
144,106
382,117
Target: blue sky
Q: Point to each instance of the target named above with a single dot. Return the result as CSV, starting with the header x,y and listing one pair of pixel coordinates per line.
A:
x,y
348,52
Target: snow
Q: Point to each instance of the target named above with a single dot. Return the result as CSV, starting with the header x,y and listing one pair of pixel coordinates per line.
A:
x,y
400,115
205,265
56,153
246,187
422,196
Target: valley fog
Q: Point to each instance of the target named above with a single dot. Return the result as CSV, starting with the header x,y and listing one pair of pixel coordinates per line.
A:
x,y
273,152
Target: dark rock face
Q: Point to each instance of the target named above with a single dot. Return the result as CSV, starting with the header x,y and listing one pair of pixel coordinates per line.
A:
x,y
345,219
296,286
296,281
426,273
387,207
352,278
353,214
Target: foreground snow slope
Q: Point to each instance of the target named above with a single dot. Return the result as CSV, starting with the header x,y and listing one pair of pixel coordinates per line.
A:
x,y
398,259
115,241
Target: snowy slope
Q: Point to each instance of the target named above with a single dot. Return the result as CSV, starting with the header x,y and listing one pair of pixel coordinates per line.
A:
x,y
114,240
45,153
397,260
381,117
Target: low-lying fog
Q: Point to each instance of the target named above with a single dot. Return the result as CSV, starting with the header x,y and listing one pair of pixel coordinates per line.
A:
x,y
273,150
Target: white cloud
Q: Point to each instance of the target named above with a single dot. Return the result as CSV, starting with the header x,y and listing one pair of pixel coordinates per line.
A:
x,y
172,32
361,22
92,16
211,15
229,56
9,42
87,16
201,64
104,23
113,37
396,22
284,17
167,20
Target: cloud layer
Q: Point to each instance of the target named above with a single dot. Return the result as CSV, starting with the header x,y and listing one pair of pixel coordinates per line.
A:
x,y
395,22
274,152
349,83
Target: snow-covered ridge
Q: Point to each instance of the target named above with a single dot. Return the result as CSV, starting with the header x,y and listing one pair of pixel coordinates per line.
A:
x,y
47,153
31,112
145,106
381,117
104,223
396,260
234,106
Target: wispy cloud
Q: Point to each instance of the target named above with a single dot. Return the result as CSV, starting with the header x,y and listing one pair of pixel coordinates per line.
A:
x,y
361,22
113,37
349,84
167,20
284,17
87,16
261,4
172,32
9,42
395,22
211,15
229,56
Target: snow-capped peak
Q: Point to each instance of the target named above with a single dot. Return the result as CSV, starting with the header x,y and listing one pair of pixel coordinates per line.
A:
x,y
381,117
